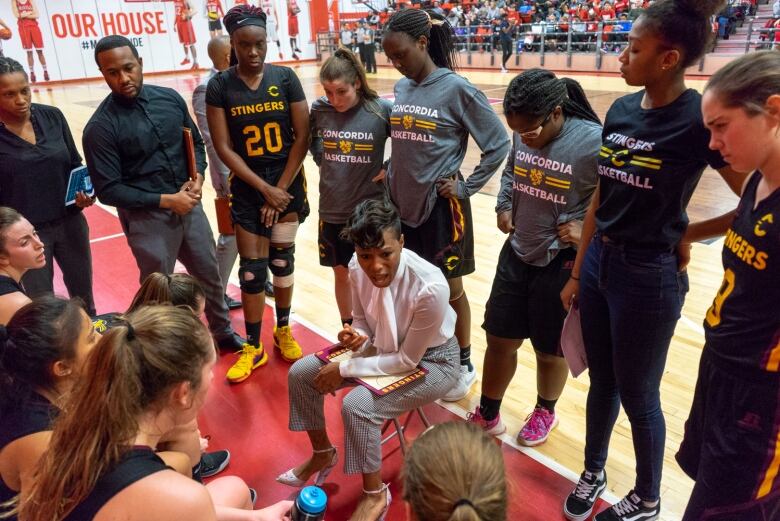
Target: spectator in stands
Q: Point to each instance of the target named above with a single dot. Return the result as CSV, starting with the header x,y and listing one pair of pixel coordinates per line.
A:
x,y
455,471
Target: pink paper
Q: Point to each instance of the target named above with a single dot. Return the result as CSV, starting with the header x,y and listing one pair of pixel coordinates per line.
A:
x,y
572,345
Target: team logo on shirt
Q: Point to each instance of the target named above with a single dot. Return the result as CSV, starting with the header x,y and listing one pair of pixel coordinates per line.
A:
x,y
344,146
273,90
416,118
408,121
619,159
537,177
758,230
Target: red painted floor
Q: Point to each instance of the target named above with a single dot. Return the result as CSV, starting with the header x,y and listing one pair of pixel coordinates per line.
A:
x,y
250,418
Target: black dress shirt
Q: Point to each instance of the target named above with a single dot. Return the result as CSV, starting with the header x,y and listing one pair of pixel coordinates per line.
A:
x,y
33,178
135,150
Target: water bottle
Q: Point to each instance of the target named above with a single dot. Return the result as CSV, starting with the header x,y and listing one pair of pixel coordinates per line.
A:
x,y
309,505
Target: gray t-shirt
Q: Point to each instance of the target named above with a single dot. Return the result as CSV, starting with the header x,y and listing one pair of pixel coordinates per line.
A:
x,y
430,124
349,148
550,186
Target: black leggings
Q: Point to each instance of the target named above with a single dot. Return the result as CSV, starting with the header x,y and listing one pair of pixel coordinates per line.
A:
x,y
506,47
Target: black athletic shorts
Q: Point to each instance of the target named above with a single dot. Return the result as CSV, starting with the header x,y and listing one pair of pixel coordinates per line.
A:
x,y
731,446
525,300
215,25
246,202
446,239
334,251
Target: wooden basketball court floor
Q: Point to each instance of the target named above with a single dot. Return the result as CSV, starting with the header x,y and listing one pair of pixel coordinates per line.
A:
x,y
245,429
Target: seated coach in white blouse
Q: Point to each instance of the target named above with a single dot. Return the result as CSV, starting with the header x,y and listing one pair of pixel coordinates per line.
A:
x,y
402,319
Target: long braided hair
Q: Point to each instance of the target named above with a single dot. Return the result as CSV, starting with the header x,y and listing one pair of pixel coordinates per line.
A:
x,y
417,23
536,92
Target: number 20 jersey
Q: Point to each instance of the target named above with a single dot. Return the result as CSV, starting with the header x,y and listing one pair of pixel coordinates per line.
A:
x,y
259,121
742,327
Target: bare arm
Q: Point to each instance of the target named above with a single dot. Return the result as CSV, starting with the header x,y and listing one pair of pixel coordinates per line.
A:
x,y
10,304
572,287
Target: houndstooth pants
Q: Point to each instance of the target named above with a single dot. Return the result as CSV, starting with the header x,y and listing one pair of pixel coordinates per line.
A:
x,y
364,412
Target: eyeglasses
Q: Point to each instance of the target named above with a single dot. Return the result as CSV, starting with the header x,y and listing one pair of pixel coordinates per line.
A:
x,y
533,134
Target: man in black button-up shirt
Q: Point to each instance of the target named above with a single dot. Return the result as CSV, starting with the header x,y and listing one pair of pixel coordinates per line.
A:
x,y
137,161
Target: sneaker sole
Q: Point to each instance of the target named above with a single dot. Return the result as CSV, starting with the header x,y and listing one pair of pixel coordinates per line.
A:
x,y
291,360
498,430
240,379
534,443
582,517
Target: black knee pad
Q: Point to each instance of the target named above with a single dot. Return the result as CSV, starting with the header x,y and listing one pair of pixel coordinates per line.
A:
x,y
252,275
282,261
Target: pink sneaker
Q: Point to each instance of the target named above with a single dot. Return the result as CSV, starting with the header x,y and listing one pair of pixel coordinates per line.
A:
x,y
494,427
538,425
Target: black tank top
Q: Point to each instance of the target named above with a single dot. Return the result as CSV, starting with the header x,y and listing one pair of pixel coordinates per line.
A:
x,y
34,415
135,465
9,285
742,327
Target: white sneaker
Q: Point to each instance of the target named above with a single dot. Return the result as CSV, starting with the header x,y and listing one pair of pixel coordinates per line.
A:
x,y
504,70
462,385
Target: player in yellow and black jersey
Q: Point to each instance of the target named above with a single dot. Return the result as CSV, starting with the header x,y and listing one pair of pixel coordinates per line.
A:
x,y
732,436
259,122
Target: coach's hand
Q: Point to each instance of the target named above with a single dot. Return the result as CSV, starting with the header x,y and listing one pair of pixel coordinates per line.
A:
x,y
83,200
447,188
571,232
504,222
569,293
180,203
277,198
329,379
350,338
380,177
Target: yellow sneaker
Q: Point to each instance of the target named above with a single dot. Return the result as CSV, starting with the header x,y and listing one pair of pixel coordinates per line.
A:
x,y
249,358
284,342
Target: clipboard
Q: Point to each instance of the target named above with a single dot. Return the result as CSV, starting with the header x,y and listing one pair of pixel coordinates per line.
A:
x,y
379,385
78,181
189,151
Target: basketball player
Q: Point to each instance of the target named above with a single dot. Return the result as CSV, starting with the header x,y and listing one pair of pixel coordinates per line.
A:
x,y
184,14
630,280
213,11
272,23
259,122
292,26
349,127
434,113
541,208
731,445
26,13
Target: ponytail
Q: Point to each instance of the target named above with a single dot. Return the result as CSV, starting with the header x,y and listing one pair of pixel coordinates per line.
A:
x,y
455,472
129,372
441,38
536,93
344,66
178,289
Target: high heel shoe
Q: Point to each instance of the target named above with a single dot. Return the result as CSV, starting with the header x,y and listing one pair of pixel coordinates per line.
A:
x,y
289,478
385,487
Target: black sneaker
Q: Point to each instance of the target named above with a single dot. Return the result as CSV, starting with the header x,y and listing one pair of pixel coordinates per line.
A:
x,y
230,342
579,504
232,303
212,463
630,508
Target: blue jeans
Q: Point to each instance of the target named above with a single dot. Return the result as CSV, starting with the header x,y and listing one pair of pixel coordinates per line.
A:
x,y
630,301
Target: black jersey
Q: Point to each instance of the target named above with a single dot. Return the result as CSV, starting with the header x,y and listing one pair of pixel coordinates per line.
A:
x,y
650,162
20,420
9,285
259,121
742,327
136,464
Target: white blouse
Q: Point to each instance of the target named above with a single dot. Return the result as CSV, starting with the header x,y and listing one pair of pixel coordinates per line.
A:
x,y
401,321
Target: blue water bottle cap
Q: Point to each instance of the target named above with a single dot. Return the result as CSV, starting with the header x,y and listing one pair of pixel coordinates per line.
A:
x,y
312,500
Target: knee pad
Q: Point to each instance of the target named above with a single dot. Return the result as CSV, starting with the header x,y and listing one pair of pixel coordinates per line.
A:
x,y
282,265
252,275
